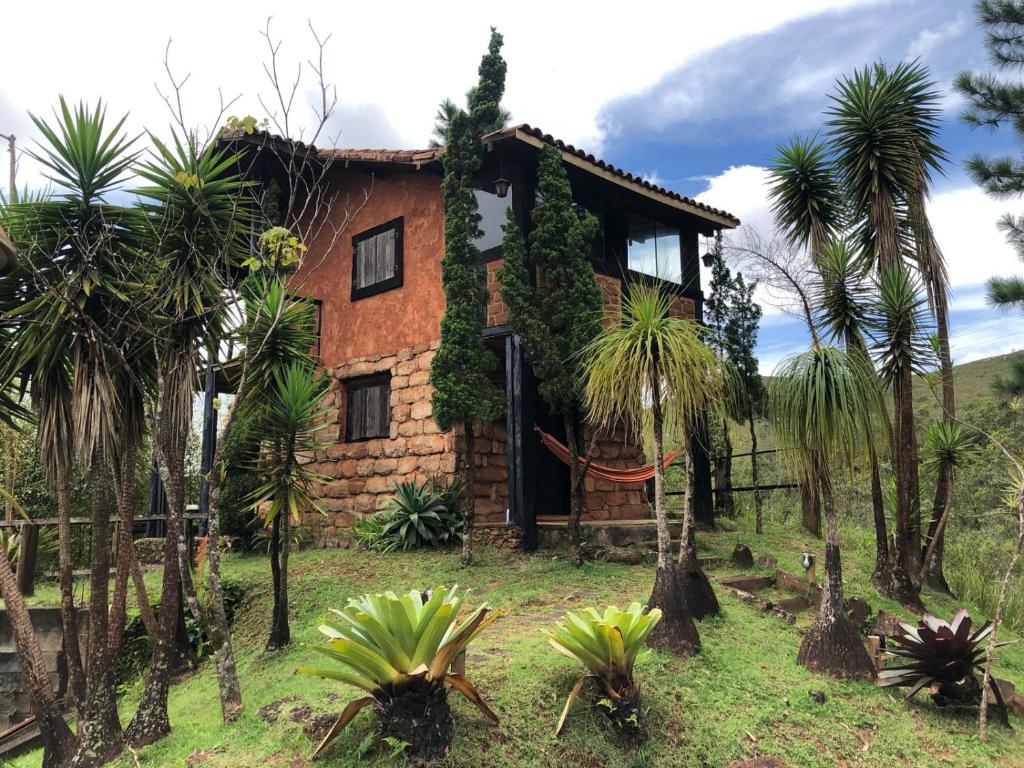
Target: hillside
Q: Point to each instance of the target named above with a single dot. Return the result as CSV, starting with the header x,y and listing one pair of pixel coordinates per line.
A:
x,y
742,696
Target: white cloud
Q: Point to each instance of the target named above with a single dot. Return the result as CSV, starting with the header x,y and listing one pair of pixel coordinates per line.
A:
x,y
930,39
392,61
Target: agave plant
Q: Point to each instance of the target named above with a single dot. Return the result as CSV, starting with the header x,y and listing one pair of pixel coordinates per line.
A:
x,y
607,645
418,517
943,654
399,649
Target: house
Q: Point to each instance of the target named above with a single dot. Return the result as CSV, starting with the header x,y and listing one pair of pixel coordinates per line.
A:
x,y
379,301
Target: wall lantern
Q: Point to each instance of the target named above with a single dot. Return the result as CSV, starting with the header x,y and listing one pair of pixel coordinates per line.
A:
x,y
501,186
708,259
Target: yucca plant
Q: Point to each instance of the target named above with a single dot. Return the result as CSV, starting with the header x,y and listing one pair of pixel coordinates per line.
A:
x,y
607,646
417,517
399,649
942,654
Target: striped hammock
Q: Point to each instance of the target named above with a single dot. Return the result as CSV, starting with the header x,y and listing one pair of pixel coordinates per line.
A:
x,y
615,475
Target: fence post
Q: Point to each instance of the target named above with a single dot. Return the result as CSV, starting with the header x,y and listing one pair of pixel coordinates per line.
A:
x,y
27,551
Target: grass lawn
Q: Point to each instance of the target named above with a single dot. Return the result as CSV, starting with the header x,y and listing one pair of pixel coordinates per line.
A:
x,y
742,696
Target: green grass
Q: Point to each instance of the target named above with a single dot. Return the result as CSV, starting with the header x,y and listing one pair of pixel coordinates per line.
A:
x,y
743,695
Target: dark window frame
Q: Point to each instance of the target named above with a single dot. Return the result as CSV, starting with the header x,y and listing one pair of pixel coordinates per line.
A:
x,y
398,225
360,382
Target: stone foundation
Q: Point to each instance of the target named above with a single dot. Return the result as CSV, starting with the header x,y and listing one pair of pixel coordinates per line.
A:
x,y
498,535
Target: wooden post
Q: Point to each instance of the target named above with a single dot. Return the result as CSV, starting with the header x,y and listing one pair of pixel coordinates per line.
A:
x,y
27,551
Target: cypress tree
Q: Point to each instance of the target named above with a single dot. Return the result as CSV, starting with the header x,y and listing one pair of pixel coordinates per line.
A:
x,y
463,391
558,313
717,311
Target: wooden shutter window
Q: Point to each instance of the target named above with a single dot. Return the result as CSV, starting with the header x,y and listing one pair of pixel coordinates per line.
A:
x,y
377,259
368,414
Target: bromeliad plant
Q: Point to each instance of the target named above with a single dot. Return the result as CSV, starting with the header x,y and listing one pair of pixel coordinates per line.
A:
x,y
942,654
608,646
399,649
417,516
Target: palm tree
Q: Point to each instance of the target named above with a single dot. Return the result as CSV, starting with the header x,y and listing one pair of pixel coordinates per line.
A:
x,y
81,286
652,362
878,162
842,302
808,207
901,346
947,447
197,218
824,405
293,410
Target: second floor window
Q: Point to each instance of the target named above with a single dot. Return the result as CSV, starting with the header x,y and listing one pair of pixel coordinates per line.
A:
x,y
377,259
368,412
654,249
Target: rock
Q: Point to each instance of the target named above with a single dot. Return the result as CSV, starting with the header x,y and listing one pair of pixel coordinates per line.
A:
x,y
767,561
760,762
1017,705
817,696
624,555
858,611
1007,690
742,556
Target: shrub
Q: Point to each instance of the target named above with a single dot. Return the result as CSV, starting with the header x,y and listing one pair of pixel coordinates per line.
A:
x,y
421,514
399,650
607,646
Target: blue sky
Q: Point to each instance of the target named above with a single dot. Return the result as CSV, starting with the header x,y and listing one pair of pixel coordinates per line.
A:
x,y
730,106
693,95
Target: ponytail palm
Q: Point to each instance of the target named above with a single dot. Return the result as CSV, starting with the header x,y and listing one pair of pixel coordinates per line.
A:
x,y
652,360
825,405
806,199
399,650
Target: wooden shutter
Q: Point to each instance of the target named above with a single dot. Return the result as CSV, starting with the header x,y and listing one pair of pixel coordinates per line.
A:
x,y
377,259
369,408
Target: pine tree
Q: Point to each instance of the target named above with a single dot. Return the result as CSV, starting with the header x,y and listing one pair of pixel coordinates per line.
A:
x,y
716,316
463,391
740,341
559,313
994,103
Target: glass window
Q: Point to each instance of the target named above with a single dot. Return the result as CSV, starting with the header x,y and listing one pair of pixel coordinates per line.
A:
x,y
654,249
493,216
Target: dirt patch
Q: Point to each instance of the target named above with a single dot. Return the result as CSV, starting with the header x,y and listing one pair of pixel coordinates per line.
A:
x,y
316,727
270,712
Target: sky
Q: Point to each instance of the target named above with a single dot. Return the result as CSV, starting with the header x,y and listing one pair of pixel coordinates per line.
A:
x,y
694,96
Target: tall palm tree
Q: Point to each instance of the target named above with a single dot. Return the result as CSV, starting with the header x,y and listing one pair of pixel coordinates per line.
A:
x,y
878,162
650,361
902,348
921,102
808,207
198,217
824,405
842,301
82,260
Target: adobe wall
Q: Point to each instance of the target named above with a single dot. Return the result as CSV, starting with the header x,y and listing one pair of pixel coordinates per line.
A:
x,y
406,316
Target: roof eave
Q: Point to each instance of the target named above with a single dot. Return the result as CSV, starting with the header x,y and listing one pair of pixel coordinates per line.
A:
x,y
718,218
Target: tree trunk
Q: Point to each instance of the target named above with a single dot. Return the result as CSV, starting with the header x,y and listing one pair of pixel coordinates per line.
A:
x,y
58,742
697,591
220,634
124,487
575,493
420,717
931,563
901,585
881,576
100,737
68,612
810,505
676,632
724,504
280,633
832,644
142,598
469,510
944,483
758,505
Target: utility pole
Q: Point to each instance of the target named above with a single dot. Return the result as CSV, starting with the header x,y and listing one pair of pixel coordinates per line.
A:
x,y
13,184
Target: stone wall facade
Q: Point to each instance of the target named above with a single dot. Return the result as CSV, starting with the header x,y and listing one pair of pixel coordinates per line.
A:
x,y
497,309
606,500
